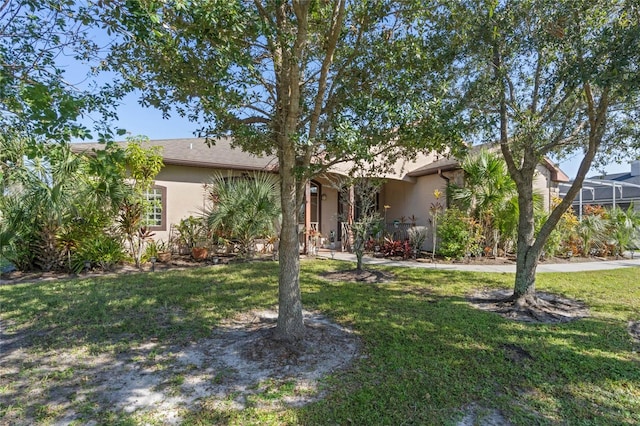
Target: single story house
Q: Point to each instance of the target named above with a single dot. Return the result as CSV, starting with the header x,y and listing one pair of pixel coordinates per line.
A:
x,y
404,199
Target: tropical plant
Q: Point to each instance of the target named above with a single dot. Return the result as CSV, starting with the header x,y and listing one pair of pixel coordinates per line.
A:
x,y
624,226
243,208
592,233
191,231
53,198
417,237
101,250
459,234
488,195
49,202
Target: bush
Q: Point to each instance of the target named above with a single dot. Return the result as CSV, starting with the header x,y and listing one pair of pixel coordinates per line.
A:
x,y
102,251
459,235
417,236
243,209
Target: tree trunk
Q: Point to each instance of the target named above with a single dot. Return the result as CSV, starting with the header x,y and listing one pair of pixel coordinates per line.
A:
x,y
528,252
290,325
524,292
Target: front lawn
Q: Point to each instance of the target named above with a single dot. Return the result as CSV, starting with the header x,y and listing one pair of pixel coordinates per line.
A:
x,y
427,357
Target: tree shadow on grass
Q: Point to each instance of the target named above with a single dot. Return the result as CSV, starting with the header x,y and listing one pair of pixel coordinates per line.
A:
x,y
429,352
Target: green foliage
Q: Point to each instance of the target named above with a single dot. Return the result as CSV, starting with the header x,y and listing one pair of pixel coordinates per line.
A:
x,y
624,228
100,250
433,352
243,209
39,99
191,231
592,234
459,235
143,163
53,198
490,196
417,236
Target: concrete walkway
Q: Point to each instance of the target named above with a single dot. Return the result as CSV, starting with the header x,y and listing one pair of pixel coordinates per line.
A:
x,y
510,268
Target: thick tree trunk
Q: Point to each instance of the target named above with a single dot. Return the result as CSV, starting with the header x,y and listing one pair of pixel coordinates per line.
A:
x,y
524,292
528,252
290,325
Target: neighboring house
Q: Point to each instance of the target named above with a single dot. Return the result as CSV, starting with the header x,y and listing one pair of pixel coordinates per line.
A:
x,y
405,197
612,190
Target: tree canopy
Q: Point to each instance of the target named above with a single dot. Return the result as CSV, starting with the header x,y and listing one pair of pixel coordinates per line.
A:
x,y
314,82
38,40
546,77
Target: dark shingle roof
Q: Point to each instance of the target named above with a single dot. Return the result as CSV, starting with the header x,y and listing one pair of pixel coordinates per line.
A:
x,y
195,153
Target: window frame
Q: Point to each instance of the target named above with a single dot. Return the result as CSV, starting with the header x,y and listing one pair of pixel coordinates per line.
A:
x,y
163,207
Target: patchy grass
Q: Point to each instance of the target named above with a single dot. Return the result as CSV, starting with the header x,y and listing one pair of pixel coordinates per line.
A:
x,y
428,353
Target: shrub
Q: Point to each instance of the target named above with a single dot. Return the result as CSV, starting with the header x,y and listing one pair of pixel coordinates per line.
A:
x,y
459,235
244,208
392,247
102,251
417,237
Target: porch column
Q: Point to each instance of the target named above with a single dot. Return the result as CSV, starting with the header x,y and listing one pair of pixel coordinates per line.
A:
x,y
307,216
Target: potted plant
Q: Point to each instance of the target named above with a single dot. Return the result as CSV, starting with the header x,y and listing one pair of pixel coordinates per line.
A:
x,y
191,235
163,253
199,253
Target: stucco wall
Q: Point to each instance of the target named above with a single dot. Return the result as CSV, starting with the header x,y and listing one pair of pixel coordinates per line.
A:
x,y
328,207
543,185
185,195
407,199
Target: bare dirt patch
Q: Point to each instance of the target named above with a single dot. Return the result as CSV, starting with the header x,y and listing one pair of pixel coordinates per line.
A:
x,y
477,415
549,309
238,366
367,276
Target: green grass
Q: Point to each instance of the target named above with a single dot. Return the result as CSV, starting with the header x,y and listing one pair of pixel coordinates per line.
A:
x,y
428,353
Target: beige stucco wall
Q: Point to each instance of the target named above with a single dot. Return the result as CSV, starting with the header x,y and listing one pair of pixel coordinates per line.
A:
x,y
543,185
407,199
185,194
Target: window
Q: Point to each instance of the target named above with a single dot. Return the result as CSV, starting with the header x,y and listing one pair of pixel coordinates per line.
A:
x,y
155,208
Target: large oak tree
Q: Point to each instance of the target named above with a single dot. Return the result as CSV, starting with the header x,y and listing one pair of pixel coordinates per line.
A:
x,y
550,78
314,82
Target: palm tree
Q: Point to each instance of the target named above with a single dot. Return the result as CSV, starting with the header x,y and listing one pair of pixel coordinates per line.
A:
x,y
488,193
624,226
51,199
592,232
243,208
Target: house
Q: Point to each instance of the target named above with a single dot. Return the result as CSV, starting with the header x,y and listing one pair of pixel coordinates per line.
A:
x,y
403,200
611,190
